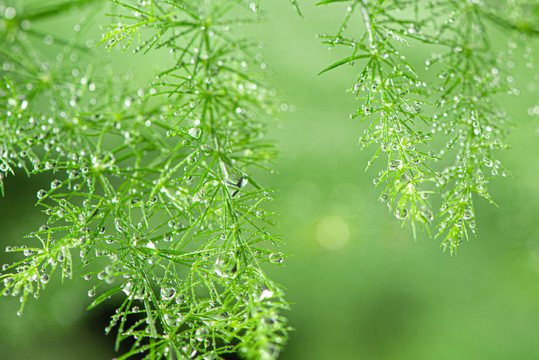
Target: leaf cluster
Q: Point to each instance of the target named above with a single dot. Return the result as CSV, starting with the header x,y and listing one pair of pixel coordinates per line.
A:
x,y
154,199
410,113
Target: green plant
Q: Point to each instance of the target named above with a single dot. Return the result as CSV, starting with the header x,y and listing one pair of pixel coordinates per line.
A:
x,y
154,188
439,133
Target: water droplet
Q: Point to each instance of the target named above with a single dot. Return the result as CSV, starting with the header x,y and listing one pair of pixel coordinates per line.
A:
x,y
167,238
194,132
55,184
401,214
44,278
201,333
276,258
168,293
49,39
225,265
91,292
41,194
10,13
467,215
119,226
394,164
266,293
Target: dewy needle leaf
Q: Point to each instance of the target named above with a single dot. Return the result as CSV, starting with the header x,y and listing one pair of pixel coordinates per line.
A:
x,y
156,186
409,114
153,194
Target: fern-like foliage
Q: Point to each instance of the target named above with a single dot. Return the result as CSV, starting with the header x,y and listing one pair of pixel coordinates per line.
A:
x,y
409,114
154,199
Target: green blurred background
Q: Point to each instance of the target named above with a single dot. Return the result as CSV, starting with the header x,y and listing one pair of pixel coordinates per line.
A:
x,y
361,287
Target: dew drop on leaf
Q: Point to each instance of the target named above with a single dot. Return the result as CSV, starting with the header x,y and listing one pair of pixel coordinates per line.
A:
x,y
266,293
276,258
167,293
194,132
41,194
394,164
55,184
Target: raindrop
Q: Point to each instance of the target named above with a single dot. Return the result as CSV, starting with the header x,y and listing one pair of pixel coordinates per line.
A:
x,y
401,214
128,288
168,293
194,132
49,39
10,13
167,238
225,265
266,293
41,194
394,164
276,258
118,226
8,281
201,333
55,184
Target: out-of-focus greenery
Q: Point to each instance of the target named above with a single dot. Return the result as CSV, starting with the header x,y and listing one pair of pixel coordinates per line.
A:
x,y
361,287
